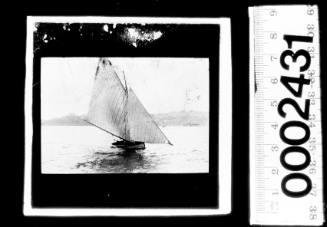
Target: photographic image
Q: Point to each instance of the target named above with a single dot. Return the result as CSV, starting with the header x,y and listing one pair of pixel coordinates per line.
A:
x,y
125,115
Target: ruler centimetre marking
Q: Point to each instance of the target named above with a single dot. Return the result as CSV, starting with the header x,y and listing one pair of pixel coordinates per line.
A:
x,y
285,118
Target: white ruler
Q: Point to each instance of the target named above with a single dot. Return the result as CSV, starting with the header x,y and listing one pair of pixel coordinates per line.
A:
x,y
285,116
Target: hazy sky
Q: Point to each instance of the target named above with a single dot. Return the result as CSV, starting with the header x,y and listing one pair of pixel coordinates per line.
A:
x,y
162,84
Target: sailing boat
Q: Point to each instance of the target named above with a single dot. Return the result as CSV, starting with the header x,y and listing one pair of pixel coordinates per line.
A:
x,y
116,109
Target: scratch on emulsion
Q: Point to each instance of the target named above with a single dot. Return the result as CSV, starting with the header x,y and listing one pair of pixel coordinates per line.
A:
x,y
134,36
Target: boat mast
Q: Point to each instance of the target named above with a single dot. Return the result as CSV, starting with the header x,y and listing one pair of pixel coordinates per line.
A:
x,y
126,117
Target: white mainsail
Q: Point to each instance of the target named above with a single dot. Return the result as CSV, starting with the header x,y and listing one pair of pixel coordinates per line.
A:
x,y
107,108
118,111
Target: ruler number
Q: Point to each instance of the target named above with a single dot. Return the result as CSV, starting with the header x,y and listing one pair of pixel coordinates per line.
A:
x,y
274,103
273,35
311,51
310,11
312,147
311,28
311,73
274,125
273,13
313,212
274,80
314,190
274,171
274,148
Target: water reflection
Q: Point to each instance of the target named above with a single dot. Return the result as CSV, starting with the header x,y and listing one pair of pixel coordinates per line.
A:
x,y
116,160
81,149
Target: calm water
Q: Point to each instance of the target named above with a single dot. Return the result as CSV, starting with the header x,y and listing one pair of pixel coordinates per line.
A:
x,y
85,149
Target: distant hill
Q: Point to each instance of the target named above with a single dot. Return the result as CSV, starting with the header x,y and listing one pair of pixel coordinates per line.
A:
x,y
183,118
71,119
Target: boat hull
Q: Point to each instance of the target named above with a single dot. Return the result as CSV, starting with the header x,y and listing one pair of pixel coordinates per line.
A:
x,y
129,145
